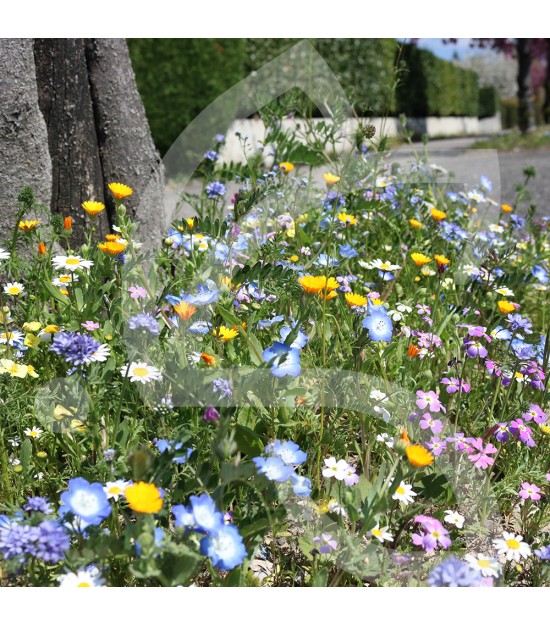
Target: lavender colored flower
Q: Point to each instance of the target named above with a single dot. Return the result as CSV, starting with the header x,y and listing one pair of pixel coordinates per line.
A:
x,y
17,540
453,573
428,422
326,543
38,504
51,542
501,433
535,413
211,155
137,292
437,445
517,322
222,387
215,189
109,455
211,414
429,401
543,553
145,321
522,431
454,385
474,349
77,348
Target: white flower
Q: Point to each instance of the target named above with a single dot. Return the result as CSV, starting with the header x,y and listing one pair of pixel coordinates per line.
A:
x,y
338,470
383,265
101,354
378,396
489,567
64,278
14,442
14,288
512,547
141,372
336,508
33,432
454,518
3,254
503,290
71,262
386,439
83,578
114,490
496,228
11,337
381,533
404,493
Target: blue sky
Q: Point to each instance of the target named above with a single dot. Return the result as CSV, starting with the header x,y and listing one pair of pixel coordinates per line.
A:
x,y
446,51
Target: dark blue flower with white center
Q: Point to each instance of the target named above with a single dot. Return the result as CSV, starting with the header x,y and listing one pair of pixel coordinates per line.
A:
x,y
145,321
453,573
273,468
299,341
379,325
77,348
347,251
215,189
300,485
224,547
87,501
284,360
207,517
288,451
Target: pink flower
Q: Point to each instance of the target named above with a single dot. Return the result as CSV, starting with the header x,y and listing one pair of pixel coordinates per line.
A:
x,y
529,491
430,401
482,460
137,291
536,413
435,425
90,325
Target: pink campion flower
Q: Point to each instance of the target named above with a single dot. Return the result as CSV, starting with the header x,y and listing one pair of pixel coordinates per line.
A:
x,y
481,460
137,292
454,385
429,400
535,413
427,421
529,491
90,326
437,445
522,431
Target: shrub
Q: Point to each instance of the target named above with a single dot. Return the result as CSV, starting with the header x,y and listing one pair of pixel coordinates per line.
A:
x,y
489,102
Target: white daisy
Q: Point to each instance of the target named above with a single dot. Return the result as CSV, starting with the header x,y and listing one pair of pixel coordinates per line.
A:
x,y
386,439
504,290
83,578
114,490
64,278
404,493
33,432
512,547
385,265
488,566
3,254
335,469
71,262
141,372
101,354
381,533
14,288
11,338
454,518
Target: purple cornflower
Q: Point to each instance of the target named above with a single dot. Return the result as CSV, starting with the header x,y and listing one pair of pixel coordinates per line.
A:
x,y
211,414
326,543
474,349
145,321
481,459
454,385
536,413
90,326
222,387
430,401
437,445
427,422
522,431
137,292
501,433
37,504
215,189
543,553
454,573
52,541
211,155
517,322
529,491
17,541
75,347
434,534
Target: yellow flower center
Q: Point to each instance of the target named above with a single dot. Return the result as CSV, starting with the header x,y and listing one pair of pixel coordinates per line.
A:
x,y
84,585
14,290
115,490
140,371
400,490
72,261
377,532
512,543
484,563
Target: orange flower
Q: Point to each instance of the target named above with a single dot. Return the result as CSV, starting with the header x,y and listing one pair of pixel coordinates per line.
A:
x,y
112,247
68,223
93,208
506,208
208,359
328,296
413,351
143,497
286,167
353,299
506,307
418,456
184,310
331,178
28,225
415,223
441,260
119,190
437,214
42,248
225,334
405,437
420,259
316,284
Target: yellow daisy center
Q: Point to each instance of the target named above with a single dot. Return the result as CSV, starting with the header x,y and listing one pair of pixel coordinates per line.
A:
x,y
512,543
84,585
400,490
484,563
72,261
140,371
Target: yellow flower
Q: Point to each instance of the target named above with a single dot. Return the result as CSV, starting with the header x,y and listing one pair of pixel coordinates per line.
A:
x,y
294,258
415,223
418,456
331,178
51,329
441,260
420,259
225,334
545,429
32,326
112,247
93,208
28,225
190,221
377,302
119,190
437,214
349,220
143,497
505,307
31,340
353,299
316,284
506,208
286,166
184,310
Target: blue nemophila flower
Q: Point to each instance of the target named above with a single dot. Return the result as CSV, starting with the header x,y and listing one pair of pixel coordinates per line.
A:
x,y
379,325
273,468
288,451
540,274
215,189
267,323
164,445
87,501
453,573
200,327
206,294
284,360
347,251
299,341
323,260
183,516
207,517
224,547
145,321
77,348
501,334
300,485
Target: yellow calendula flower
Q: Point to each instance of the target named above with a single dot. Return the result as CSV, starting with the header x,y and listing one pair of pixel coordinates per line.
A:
x,y
506,208
225,334
377,302
114,248
286,167
294,258
505,306
28,225
93,208
184,310
420,259
545,429
316,284
437,214
418,456
331,178
415,223
354,299
119,190
328,296
143,497
441,260
345,218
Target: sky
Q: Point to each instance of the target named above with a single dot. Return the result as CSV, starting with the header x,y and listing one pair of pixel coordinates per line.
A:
x,y
446,51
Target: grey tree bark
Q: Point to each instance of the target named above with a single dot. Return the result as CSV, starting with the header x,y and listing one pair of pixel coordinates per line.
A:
x,y
24,156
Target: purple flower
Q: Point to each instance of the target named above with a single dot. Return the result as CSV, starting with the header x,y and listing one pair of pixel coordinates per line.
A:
x,y
522,431
437,445
517,322
215,189
454,385
430,401
434,534
17,541
211,414
474,349
75,347
501,433
460,441
543,553
38,504
222,387
326,543
535,413
481,459
454,573
145,321
51,542
211,155
475,331
530,491
427,422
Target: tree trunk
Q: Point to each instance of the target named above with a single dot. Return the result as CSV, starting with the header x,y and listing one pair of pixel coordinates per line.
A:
x,y
525,112
66,103
24,157
126,147
547,85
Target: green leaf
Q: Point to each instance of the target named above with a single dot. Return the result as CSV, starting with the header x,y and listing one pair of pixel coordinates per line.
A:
x,y
55,292
320,578
248,441
26,455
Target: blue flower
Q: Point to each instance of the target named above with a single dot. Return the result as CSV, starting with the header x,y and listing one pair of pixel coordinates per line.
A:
x,y
145,321
158,538
517,322
207,294
517,222
200,327
300,485
301,338
215,189
284,360
183,516
77,348
326,261
501,334
222,387
164,445
38,504
207,518
211,155
543,553
486,183
347,251
17,541
288,451
224,547
267,323
454,573
273,468
540,274
87,501
379,325
51,542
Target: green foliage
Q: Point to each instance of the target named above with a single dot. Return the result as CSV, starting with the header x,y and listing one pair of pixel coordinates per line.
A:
x,y
489,102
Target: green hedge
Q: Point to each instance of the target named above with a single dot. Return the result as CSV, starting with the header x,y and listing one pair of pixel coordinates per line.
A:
x,y
430,86
489,102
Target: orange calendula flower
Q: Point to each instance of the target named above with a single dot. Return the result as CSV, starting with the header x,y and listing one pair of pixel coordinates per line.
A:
x,y
112,247
405,437
190,221
353,299
441,260
93,208
143,497
437,214
331,178
42,248
420,259
413,351
119,190
208,359
347,219
415,223
316,284
225,334
286,167
506,208
184,310
506,307
68,223
28,225
418,456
